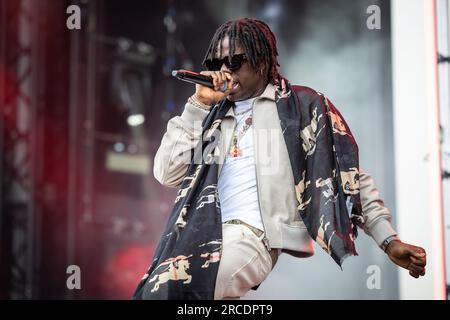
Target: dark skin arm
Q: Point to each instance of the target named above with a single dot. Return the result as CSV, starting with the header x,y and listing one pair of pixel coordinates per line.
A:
x,y
407,256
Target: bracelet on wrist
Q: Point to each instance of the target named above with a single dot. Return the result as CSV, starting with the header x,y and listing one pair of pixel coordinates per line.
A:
x,y
388,240
195,102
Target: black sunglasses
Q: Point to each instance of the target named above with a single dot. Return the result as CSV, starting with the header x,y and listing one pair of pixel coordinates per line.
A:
x,y
233,64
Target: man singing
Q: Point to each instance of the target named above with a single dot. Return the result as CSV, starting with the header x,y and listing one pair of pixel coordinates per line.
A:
x,y
273,167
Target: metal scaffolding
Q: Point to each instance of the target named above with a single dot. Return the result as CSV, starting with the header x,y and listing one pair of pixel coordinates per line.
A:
x,y
19,216
443,42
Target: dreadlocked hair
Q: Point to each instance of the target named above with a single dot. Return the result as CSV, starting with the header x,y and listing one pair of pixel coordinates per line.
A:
x,y
256,38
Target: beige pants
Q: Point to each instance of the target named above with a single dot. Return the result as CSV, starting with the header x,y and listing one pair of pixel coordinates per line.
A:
x,y
245,262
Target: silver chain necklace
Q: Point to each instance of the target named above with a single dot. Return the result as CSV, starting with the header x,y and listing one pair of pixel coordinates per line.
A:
x,y
243,112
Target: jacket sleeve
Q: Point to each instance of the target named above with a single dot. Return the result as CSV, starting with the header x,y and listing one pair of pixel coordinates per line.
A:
x,y
377,217
174,154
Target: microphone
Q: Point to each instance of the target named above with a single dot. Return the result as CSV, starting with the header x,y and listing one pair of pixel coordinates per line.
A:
x,y
194,77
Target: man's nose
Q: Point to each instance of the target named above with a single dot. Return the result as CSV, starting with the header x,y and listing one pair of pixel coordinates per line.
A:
x,y
224,68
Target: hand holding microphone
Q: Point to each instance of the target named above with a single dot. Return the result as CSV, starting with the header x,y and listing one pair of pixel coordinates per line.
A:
x,y
211,86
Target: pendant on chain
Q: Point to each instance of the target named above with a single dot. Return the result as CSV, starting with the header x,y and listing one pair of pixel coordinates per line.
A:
x,y
235,151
